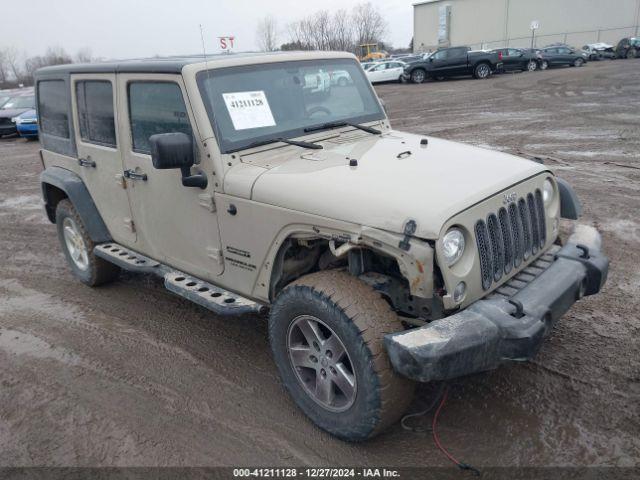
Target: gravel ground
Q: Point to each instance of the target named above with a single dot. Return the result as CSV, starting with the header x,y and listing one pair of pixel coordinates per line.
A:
x,y
129,374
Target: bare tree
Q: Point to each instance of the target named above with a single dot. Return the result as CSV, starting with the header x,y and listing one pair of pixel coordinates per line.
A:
x,y
12,60
53,56
267,34
3,68
340,31
370,26
83,56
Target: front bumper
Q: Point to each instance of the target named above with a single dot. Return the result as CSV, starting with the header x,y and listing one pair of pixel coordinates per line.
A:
x,y
27,129
500,328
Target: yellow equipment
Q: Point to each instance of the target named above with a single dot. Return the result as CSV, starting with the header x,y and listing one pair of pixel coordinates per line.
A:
x,y
370,51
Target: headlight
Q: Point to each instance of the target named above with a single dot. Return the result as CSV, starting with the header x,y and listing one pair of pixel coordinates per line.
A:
x,y
453,246
547,191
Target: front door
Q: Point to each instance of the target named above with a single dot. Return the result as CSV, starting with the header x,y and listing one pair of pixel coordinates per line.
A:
x,y
176,225
95,119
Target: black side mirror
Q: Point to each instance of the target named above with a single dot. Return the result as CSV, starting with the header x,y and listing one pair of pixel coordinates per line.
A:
x,y
175,150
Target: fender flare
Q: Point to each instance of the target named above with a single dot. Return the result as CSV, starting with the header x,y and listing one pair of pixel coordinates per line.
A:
x,y
75,189
570,206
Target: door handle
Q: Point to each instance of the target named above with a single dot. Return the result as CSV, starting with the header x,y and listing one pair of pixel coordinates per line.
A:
x,y
135,176
86,162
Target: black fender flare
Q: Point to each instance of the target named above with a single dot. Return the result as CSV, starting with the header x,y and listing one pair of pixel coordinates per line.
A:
x,y
75,189
570,206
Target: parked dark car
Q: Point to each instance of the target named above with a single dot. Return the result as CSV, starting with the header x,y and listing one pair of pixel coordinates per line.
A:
x,y
12,108
558,56
518,59
452,62
628,48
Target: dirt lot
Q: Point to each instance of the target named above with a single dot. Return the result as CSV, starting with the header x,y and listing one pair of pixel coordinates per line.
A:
x,y
129,374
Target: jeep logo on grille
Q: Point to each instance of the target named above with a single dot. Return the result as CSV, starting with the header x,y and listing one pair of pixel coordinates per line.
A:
x,y
509,197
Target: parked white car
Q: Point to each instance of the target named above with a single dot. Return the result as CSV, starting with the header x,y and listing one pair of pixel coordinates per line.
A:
x,y
388,71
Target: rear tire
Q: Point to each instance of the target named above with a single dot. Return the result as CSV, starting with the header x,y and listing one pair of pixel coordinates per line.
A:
x,y
78,248
338,305
544,65
482,71
531,66
632,53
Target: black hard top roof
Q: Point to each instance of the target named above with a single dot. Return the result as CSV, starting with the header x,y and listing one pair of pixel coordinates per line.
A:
x,y
144,65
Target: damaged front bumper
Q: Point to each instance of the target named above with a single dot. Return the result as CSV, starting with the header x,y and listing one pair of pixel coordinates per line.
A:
x,y
502,328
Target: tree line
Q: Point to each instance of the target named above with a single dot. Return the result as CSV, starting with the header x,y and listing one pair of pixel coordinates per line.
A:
x,y
17,69
341,30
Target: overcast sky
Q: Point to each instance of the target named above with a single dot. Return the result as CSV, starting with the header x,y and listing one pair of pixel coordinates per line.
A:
x,y
138,28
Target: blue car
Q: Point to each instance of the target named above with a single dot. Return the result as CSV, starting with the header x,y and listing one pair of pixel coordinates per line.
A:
x,y
27,124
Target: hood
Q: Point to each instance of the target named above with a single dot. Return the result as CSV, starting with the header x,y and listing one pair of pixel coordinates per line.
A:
x,y
396,179
12,112
29,114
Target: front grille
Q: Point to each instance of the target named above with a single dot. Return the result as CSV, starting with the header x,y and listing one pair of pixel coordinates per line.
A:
x,y
5,121
510,237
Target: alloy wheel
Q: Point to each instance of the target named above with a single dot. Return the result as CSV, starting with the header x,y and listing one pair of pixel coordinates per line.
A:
x,y
75,244
321,363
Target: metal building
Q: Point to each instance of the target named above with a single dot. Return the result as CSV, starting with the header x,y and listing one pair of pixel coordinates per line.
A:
x,y
498,23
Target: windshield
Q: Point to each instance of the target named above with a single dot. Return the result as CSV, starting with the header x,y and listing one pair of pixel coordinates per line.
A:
x,y
16,103
255,103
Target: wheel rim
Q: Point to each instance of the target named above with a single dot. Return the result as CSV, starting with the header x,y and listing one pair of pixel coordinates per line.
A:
x,y
544,65
75,244
531,66
483,71
418,76
578,62
321,363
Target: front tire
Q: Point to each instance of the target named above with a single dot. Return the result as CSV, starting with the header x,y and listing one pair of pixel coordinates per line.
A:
x,y
544,65
532,66
326,331
418,75
578,62
78,248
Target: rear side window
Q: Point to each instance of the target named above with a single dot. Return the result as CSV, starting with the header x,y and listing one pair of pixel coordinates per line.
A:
x,y
53,108
95,112
155,107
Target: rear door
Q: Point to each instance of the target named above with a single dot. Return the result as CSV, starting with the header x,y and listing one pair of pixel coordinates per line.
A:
x,y
513,59
95,118
394,71
457,60
176,225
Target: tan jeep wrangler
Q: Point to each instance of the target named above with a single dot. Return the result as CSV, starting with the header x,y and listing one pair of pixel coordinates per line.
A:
x,y
382,257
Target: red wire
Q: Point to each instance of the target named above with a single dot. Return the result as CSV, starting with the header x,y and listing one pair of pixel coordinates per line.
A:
x,y
434,422
435,433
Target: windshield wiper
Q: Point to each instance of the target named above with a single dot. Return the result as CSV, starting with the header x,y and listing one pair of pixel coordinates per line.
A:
x,y
326,126
312,146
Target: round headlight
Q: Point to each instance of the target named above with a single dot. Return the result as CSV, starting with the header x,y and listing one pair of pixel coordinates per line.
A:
x,y
453,246
547,191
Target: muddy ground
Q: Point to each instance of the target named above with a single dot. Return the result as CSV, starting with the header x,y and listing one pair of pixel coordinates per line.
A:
x,y
130,374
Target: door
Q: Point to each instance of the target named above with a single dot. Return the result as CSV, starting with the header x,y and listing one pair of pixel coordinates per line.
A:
x,y
95,118
513,59
377,73
439,62
552,56
457,61
394,71
176,225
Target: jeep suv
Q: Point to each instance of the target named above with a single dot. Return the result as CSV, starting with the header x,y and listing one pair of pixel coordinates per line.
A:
x,y
381,257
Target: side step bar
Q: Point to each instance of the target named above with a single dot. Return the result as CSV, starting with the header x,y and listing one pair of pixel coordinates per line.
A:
x,y
203,293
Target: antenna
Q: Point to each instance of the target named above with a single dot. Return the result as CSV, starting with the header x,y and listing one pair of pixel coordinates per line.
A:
x,y
204,52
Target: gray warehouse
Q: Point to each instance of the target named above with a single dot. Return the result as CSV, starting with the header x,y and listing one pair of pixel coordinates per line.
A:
x,y
497,23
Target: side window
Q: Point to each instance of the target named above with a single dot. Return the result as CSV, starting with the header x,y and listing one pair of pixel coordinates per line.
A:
x,y
95,112
513,52
440,55
155,107
458,53
53,108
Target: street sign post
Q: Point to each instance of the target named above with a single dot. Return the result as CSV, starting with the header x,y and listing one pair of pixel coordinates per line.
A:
x,y
534,26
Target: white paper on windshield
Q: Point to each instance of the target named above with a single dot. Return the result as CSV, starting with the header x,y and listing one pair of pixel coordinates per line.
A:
x,y
249,109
